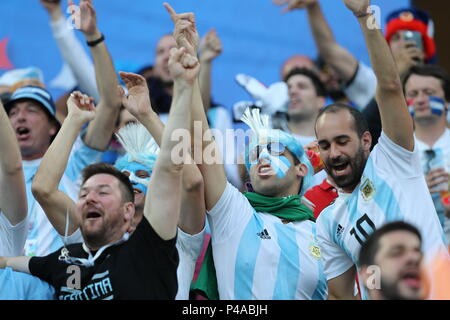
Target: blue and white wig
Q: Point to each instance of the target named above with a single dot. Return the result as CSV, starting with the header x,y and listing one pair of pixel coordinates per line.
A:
x,y
263,133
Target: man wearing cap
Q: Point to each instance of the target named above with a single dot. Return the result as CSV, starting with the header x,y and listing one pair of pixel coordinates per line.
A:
x,y
119,259
32,114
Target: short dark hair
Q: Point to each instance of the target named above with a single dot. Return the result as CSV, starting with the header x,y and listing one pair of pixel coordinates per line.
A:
x,y
429,70
318,84
370,248
125,185
359,121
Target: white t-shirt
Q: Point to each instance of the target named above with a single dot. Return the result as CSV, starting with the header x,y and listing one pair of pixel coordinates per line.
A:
x,y
392,188
363,87
12,238
189,247
441,159
258,257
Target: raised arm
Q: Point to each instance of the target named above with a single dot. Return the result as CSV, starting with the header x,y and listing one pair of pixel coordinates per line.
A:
x,y
100,130
13,197
137,102
210,48
214,177
338,57
71,50
54,202
396,122
163,215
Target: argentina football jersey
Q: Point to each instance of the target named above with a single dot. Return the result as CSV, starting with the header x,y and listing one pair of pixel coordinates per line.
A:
x,y
392,188
258,256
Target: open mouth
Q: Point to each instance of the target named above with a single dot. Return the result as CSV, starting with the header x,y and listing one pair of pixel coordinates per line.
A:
x,y
341,169
265,170
22,132
412,278
136,191
93,215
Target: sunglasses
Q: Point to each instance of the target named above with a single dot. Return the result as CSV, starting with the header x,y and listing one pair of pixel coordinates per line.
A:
x,y
274,149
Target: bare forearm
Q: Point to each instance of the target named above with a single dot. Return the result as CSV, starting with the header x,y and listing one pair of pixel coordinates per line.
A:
x,y
380,56
154,125
10,160
334,54
205,83
179,118
19,264
395,118
13,200
192,215
105,73
213,174
55,159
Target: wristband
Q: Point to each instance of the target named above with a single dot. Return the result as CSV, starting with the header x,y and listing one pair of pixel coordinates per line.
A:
x,y
362,15
96,42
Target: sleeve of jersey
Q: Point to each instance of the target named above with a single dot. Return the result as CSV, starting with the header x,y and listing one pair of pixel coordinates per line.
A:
x,y
363,87
394,159
44,267
145,237
335,259
80,157
230,213
12,238
189,247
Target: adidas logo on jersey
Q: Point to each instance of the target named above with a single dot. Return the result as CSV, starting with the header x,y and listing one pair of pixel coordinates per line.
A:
x,y
340,230
264,234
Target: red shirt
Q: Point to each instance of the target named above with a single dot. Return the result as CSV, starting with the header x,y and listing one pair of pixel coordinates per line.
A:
x,y
321,196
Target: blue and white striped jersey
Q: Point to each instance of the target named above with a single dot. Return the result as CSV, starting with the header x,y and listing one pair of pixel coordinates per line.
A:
x,y
392,188
257,256
43,239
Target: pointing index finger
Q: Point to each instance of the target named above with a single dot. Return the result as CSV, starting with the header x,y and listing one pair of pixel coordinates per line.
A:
x,y
171,11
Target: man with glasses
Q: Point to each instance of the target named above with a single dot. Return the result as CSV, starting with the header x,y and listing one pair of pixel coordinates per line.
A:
x,y
263,242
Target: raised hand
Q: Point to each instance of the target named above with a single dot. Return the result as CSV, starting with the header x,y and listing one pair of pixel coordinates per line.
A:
x,y
407,55
138,100
210,46
80,107
183,66
51,6
293,4
185,32
358,7
88,17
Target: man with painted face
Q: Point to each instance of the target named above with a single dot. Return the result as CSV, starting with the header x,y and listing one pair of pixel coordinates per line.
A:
x,y
263,243
119,259
374,187
427,90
